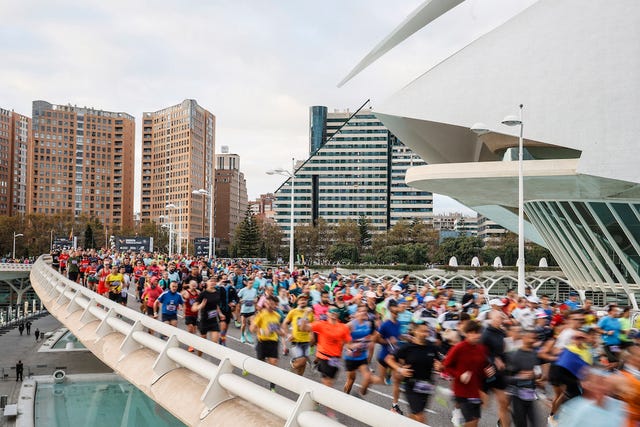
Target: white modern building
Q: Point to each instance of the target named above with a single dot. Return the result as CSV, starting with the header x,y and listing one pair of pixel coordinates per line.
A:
x,y
356,168
574,65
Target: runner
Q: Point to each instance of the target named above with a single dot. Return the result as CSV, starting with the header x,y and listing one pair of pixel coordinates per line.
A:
x,y
467,363
266,326
208,306
332,336
171,301
415,362
493,338
357,352
523,366
300,339
149,296
248,297
113,283
190,296
389,336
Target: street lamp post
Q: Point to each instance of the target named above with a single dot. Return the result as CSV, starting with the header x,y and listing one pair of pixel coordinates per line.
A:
x,y
14,243
169,226
212,243
481,129
179,241
291,175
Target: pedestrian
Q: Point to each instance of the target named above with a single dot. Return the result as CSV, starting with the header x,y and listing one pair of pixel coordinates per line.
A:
x,y
19,370
28,327
37,334
21,328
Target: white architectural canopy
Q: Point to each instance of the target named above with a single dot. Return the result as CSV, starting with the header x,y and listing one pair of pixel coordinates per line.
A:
x,y
574,64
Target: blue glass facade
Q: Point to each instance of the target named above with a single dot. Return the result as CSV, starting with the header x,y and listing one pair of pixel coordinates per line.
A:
x,y
317,127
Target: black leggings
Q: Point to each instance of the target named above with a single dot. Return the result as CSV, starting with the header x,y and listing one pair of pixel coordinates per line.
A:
x,y
523,410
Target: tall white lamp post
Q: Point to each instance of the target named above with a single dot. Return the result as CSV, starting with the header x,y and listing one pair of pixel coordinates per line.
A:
x,y
291,174
169,226
14,243
480,129
209,194
179,240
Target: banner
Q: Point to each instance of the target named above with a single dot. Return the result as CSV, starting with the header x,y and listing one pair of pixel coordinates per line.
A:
x,y
201,245
135,244
62,243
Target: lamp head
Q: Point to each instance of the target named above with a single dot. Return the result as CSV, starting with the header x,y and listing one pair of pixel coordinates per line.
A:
x,y
511,121
480,129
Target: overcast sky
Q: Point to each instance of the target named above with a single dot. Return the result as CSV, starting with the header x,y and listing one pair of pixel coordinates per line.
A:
x,y
257,65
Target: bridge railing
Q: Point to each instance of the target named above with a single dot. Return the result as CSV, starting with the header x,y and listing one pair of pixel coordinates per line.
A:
x,y
223,383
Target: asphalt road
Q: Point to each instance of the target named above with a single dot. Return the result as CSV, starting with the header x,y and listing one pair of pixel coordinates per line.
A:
x,y
438,412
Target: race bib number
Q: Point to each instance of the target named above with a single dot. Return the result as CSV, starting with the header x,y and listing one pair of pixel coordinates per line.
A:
x,y
273,327
212,314
171,308
248,303
334,362
527,394
423,387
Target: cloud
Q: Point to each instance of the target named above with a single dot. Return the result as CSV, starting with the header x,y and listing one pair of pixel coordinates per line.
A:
x,y
257,65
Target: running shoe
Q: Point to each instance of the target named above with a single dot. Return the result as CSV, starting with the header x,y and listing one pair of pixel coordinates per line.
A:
x,y
249,339
396,408
387,379
237,324
242,339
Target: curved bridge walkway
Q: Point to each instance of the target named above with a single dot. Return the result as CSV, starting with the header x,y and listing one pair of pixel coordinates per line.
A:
x,y
214,385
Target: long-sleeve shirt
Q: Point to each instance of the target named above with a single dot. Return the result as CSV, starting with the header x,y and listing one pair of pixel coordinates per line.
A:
x,y
463,357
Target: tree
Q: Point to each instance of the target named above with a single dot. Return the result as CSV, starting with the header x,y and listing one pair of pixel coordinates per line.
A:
x,y
463,248
247,236
271,236
89,241
364,233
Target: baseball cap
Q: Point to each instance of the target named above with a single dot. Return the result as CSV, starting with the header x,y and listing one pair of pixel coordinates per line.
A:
x,y
429,298
573,294
370,294
392,303
496,301
402,301
396,288
533,299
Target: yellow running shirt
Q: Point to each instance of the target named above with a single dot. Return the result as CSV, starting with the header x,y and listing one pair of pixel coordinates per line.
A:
x,y
268,323
294,317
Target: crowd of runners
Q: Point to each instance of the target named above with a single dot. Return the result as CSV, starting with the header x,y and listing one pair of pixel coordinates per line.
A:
x,y
422,340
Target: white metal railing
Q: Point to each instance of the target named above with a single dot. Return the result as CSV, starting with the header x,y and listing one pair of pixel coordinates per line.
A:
x,y
222,381
15,266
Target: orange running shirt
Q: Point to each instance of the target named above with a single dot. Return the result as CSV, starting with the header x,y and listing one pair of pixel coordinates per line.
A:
x,y
331,338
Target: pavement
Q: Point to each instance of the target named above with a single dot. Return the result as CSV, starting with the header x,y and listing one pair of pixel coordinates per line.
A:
x,y
15,347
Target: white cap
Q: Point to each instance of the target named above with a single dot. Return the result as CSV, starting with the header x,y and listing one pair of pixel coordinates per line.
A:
x,y
429,298
496,301
533,299
396,288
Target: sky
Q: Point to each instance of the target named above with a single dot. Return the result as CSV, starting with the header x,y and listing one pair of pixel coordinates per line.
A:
x,y
257,65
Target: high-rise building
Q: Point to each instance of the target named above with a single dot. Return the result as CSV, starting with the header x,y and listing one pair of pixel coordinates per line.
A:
x,y
264,207
178,146
231,200
358,170
81,161
490,231
15,131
